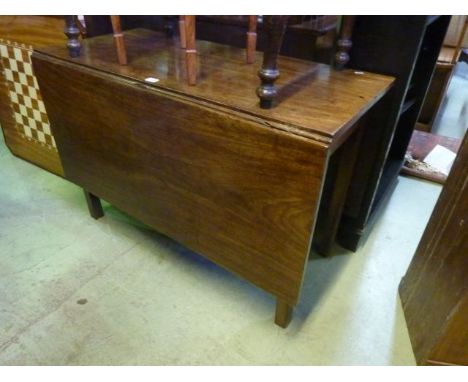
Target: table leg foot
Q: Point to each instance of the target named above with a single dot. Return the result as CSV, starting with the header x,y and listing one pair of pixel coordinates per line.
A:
x,y
94,205
283,314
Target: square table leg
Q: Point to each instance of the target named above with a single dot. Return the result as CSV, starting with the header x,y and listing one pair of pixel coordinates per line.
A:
x,y
283,314
94,205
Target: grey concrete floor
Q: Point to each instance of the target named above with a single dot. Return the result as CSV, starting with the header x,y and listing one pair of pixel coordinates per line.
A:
x,y
75,291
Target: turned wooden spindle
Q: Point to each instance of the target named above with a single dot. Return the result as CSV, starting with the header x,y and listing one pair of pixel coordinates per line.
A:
x,y
274,27
344,43
251,39
72,32
183,43
190,51
119,40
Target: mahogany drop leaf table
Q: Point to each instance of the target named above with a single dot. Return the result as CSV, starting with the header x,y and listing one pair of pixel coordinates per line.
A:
x,y
205,165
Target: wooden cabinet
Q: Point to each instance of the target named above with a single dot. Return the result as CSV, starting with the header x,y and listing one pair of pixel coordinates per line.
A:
x,y
434,291
405,47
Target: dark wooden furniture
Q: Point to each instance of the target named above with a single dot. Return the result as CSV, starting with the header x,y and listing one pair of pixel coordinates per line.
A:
x,y
405,47
203,164
187,41
306,37
434,291
448,58
300,34
383,44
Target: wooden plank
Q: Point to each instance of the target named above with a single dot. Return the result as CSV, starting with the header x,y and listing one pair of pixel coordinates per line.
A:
x,y
451,347
434,290
234,189
339,173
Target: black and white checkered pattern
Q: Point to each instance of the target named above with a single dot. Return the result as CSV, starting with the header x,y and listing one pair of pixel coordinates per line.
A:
x,y
29,111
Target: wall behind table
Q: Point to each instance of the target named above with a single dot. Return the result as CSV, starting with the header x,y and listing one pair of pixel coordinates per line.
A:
x,y
23,117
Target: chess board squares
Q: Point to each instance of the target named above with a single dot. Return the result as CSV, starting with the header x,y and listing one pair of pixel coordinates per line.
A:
x,y
28,108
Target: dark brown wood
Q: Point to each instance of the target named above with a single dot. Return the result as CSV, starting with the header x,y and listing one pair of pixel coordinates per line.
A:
x,y
299,39
191,50
72,32
274,27
344,42
434,290
94,205
406,47
183,41
339,175
119,40
204,165
306,37
251,39
283,314
219,192
307,106
46,30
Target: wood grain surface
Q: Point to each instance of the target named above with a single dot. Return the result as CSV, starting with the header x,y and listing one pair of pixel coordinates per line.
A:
x,y
314,100
434,290
234,189
204,164
36,31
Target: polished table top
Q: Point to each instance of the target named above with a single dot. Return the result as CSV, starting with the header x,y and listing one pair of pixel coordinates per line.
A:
x,y
314,100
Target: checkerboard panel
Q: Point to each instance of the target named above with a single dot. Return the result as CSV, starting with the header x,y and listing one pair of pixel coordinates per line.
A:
x,y
28,108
